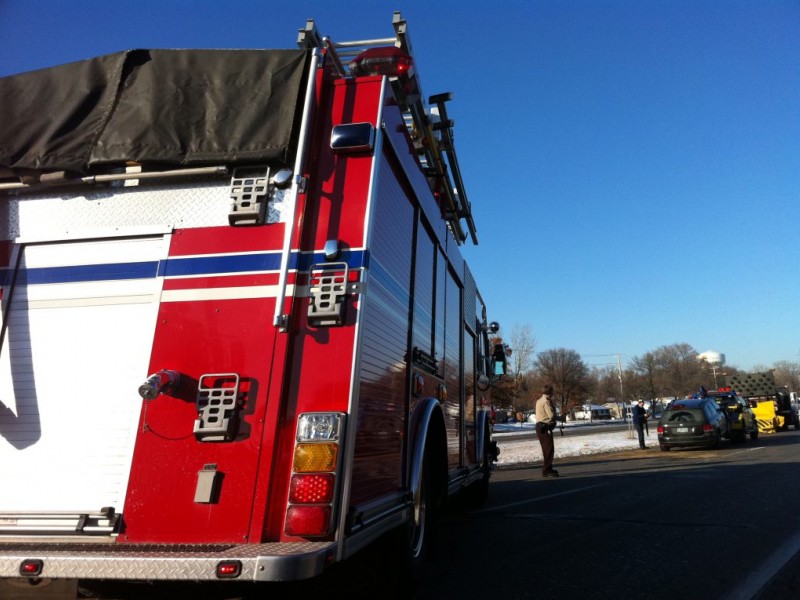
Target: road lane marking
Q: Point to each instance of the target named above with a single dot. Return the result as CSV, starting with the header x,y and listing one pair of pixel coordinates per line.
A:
x,y
747,450
768,569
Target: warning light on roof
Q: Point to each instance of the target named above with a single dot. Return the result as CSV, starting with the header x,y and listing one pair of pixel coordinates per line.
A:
x,y
387,60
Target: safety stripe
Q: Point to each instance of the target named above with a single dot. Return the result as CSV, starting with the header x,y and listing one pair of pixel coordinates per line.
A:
x,y
766,425
195,266
229,293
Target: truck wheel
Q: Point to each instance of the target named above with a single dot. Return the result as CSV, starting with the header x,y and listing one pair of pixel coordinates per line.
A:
x,y
422,531
414,543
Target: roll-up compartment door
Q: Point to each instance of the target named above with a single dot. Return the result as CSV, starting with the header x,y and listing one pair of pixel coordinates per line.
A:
x,y
78,323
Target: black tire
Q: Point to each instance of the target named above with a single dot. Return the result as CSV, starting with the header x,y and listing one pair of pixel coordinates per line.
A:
x,y
754,434
414,543
664,448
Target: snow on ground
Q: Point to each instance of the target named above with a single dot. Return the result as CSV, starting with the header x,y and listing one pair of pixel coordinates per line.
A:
x,y
514,451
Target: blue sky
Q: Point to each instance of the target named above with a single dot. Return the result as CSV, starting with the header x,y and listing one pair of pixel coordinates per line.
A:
x,y
633,165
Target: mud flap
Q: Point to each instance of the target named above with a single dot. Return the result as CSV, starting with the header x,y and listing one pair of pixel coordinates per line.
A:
x,y
38,589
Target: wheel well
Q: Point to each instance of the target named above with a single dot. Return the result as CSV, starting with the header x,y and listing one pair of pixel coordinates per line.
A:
x,y
436,448
429,446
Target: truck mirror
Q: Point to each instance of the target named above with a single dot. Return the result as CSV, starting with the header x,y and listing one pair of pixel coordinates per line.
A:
x,y
499,362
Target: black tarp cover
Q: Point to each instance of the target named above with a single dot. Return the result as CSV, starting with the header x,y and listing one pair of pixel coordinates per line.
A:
x,y
166,107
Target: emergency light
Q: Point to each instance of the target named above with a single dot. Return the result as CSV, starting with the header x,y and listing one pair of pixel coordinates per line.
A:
x,y
387,60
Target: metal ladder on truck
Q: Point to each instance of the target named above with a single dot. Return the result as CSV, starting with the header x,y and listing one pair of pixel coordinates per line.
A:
x,y
433,141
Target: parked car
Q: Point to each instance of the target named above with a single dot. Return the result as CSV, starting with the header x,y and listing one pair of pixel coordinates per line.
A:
x,y
692,423
741,418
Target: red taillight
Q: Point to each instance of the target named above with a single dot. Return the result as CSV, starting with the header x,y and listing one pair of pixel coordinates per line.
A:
x,y
314,488
387,60
31,567
312,485
308,520
707,428
660,429
229,569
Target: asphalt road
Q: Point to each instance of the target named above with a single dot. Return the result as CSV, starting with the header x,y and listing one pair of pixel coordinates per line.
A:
x,y
639,524
710,524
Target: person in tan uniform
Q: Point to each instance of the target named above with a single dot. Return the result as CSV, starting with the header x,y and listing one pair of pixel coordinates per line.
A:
x,y
545,424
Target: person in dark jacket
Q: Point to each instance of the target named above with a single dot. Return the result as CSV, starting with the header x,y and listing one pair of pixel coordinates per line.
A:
x,y
639,419
545,423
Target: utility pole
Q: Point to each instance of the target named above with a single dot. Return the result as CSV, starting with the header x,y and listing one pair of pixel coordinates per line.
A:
x,y
622,396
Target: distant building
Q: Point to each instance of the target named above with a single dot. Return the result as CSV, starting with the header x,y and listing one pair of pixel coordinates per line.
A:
x,y
591,412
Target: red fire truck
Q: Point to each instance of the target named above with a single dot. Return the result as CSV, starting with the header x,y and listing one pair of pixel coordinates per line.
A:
x,y
239,339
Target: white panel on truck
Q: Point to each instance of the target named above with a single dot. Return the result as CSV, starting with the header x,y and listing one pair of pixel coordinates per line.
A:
x,y
79,324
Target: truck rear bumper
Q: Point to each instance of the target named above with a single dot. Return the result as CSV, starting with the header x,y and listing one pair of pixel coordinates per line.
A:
x,y
150,562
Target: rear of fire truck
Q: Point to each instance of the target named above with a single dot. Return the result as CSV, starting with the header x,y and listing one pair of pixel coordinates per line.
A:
x,y
239,341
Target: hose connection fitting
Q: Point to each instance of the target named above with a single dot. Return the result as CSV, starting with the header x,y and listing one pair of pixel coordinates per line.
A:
x,y
161,382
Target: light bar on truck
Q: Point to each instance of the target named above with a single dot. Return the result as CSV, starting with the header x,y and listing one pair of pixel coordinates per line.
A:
x,y
386,60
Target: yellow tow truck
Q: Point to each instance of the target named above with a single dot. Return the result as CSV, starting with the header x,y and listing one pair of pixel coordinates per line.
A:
x,y
771,405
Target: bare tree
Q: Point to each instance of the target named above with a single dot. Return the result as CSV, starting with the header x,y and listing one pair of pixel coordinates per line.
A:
x,y
523,344
787,374
648,376
682,372
567,372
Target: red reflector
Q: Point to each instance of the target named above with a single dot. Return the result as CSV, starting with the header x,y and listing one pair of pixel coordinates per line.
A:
x,y
31,567
387,60
707,428
229,569
316,488
308,520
